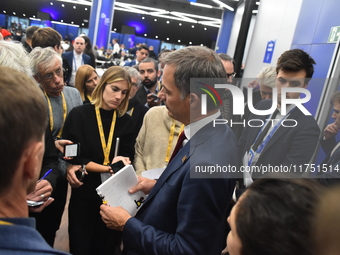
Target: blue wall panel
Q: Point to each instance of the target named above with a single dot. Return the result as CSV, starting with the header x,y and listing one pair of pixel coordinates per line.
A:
x,y
329,17
61,28
3,20
155,43
307,22
311,34
72,32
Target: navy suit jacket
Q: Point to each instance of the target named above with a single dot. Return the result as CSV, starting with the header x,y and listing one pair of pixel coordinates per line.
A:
x,y
331,163
288,146
130,63
69,57
185,215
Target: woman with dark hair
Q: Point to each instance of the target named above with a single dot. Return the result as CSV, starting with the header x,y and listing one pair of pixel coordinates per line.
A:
x,y
89,51
86,81
274,216
96,127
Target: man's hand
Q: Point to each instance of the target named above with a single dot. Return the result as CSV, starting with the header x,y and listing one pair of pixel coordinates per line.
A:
x,y
144,184
114,217
42,192
152,100
37,209
330,131
71,175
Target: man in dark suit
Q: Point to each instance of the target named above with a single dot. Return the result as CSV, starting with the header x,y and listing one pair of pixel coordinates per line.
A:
x,y
291,138
77,58
329,168
186,210
141,54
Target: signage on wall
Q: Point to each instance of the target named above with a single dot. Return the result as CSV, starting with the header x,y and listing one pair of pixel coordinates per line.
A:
x,y
269,52
334,35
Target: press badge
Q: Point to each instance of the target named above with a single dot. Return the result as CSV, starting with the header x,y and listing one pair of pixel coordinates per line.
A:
x,y
253,156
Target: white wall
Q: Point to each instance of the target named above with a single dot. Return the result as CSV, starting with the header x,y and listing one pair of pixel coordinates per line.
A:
x,y
276,20
235,30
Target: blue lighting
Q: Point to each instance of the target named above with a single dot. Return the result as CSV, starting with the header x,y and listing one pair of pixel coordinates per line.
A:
x,y
194,1
139,27
54,14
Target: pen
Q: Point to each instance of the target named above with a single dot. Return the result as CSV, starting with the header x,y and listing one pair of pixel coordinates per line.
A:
x,y
116,148
45,175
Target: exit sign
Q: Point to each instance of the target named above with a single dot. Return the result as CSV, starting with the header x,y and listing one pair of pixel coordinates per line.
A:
x,y
334,35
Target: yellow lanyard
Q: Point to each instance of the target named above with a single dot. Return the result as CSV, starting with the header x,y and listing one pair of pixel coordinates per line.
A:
x,y
89,97
5,223
106,148
171,138
51,112
131,111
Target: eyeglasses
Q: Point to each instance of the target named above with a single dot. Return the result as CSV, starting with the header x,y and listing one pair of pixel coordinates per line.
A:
x,y
49,76
231,75
135,84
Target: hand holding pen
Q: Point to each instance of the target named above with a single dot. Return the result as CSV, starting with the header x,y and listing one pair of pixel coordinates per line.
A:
x,y
45,175
43,189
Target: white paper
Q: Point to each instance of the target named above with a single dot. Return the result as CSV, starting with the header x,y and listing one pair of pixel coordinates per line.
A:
x,y
153,173
115,190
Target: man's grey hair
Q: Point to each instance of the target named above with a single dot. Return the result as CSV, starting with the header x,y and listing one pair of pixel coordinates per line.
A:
x,y
225,57
194,62
267,76
43,57
14,55
134,73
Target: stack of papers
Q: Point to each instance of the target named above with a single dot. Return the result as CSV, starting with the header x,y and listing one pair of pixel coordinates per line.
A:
x,y
115,190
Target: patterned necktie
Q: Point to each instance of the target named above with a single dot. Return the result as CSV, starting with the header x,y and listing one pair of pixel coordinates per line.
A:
x,y
179,145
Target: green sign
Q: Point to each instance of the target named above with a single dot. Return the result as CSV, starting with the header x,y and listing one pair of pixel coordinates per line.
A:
x,y
334,35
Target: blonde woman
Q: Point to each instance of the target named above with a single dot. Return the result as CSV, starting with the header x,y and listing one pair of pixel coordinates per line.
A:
x,y
86,81
96,126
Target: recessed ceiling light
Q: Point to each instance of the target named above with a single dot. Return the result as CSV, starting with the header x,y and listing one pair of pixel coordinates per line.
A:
x,y
155,20
62,5
82,24
201,44
85,9
24,15
179,40
156,36
115,29
167,39
51,3
72,22
190,42
33,16
61,20
143,17
180,24
145,34
167,22
74,7
14,13
205,28
4,11
192,26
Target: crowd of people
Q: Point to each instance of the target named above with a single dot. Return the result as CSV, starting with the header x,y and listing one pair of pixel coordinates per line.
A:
x,y
149,114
